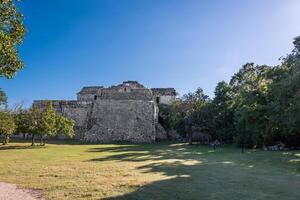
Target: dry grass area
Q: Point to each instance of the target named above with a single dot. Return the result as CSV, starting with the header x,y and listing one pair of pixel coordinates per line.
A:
x,y
151,171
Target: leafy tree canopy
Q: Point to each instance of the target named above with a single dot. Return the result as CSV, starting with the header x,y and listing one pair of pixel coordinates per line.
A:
x,y
12,33
259,106
3,98
7,125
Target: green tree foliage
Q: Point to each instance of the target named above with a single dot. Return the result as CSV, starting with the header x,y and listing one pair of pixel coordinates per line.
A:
x,y
194,101
224,112
22,121
47,124
259,106
7,125
43,123
194,109
64,126
31,121
3,98
284,95
250,90
172,117
12,33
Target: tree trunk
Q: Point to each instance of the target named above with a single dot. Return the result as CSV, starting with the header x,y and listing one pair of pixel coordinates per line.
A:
x,y
42,142
188,129
243,148
5,140
190,138
32,140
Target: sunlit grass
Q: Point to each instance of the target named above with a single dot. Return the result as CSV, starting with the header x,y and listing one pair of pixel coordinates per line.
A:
x,y
151,171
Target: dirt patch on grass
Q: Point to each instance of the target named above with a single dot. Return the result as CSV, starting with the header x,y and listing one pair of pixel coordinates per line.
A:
x,y
12,192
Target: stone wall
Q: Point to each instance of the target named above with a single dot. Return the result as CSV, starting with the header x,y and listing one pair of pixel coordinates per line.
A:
x,y
108,120
126,112
164,95
122,120
126,94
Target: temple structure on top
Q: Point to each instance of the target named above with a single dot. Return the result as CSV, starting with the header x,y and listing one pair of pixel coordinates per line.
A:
x,y
125,112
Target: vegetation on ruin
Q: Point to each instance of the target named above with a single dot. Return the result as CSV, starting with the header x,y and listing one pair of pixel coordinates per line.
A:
x,y
151,171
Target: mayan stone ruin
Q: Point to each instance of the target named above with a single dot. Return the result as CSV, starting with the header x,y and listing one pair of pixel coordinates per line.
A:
x,y
126,112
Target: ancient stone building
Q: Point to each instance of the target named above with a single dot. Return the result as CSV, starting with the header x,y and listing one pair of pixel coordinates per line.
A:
x,y
126,112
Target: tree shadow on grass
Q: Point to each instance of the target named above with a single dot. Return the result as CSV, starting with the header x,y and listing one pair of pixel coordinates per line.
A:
x,y
153,152
19,147
176,163
198,172
48,141
26,144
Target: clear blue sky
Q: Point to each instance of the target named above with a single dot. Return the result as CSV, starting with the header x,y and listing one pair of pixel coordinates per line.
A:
x,y
160,43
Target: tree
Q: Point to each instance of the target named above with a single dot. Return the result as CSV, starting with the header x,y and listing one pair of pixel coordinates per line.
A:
x,y
45,123
195,109
284,95
194,100
64,126
3,99
7,125
12,33
260,106
32,121
47,126
22,120
176,117
250,88
171,117
224,112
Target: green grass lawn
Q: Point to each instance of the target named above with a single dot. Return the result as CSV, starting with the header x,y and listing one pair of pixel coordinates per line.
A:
x,y
151,171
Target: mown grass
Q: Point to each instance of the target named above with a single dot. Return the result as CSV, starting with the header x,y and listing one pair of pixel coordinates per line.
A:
x,y
151,171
